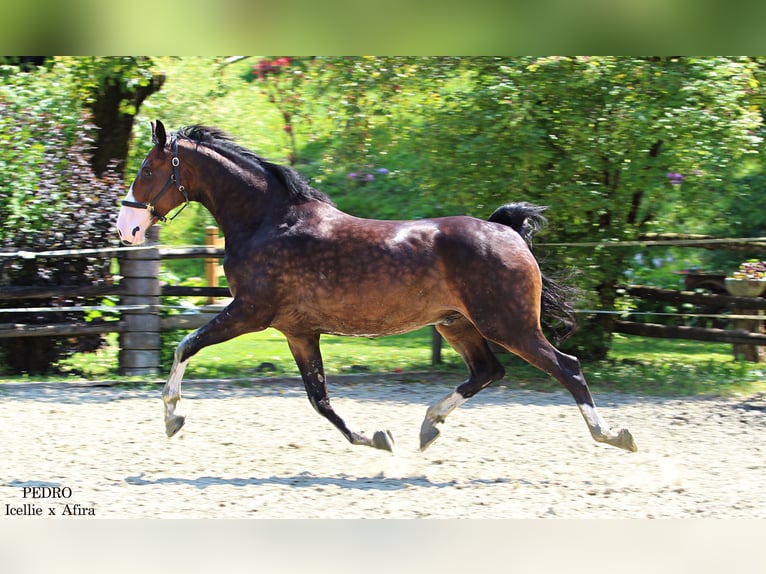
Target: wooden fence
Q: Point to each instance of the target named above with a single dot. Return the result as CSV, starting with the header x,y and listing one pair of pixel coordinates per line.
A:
x,y
744,313
140,322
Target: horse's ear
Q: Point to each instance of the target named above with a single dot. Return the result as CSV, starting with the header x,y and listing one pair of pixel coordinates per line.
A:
x,y
159,137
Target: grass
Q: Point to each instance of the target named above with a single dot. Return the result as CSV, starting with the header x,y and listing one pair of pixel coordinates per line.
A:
x,y
636,364
675,367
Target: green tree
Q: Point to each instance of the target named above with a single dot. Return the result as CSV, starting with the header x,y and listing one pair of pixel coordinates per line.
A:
x,y
112,89
615,146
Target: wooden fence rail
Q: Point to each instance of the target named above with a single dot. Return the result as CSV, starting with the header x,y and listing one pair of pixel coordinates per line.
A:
x,y
709,300
70,329
709,334
65,292
745,313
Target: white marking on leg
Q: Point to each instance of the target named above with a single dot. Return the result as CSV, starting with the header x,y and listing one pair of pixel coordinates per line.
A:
x,y
171,397
435,414
439,411
172,390
171,393
601,433
595,423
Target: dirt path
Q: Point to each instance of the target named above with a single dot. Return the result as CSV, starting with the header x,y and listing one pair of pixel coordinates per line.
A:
x,y
261,451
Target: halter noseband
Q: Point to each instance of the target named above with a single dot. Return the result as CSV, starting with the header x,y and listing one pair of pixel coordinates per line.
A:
x,y
175,177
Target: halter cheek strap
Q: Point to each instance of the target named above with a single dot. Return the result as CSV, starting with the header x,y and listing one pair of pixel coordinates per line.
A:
x,y
175,177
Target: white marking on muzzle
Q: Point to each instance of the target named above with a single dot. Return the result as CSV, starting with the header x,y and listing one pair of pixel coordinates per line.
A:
x,y
133,222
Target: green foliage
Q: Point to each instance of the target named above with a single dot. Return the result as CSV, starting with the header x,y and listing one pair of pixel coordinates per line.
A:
x,y
49,199
91,75
743,216
595,137
616,146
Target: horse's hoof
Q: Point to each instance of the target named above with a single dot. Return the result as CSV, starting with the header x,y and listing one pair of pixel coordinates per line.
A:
x,y
428,434
625,440
383,440
173,424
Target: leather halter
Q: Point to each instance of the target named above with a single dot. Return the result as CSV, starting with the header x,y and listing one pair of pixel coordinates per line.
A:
x,y
175,177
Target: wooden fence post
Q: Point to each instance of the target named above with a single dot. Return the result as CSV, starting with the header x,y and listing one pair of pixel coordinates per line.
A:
x,y
140,341
749,353
213,270
436,347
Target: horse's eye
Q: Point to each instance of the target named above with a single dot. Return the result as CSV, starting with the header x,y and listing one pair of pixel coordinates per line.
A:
x,y
147,173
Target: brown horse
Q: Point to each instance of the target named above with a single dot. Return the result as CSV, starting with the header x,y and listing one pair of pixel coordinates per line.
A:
x,y
296,263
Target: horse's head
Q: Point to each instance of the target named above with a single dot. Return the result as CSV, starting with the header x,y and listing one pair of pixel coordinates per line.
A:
x,y
155,191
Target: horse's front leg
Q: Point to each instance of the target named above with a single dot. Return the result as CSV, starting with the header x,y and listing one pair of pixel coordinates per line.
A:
x,y
229,323
305,350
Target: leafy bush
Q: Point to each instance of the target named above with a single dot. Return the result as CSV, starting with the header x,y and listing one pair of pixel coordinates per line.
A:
x,y
49,199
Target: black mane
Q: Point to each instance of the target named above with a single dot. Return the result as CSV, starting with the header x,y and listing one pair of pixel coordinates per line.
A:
x,y
296,186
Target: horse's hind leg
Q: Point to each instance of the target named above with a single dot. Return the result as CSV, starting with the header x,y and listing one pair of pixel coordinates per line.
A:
x,y
305,350
483,366
536,350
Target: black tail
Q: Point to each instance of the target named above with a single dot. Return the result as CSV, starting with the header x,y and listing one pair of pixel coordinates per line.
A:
x,y
557,311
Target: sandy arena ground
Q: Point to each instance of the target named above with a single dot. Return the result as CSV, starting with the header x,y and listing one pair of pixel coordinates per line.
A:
x,y
260,451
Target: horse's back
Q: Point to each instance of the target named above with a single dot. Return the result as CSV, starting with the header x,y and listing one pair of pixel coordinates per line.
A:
x,y
332,272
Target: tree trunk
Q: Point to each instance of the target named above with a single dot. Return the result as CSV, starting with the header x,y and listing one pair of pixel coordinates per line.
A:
x,y
115,124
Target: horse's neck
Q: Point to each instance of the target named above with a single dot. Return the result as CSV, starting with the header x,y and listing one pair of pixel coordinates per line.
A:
x,y
239,202
241,220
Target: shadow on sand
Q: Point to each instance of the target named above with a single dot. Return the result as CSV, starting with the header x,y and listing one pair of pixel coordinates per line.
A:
x,y
308,480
